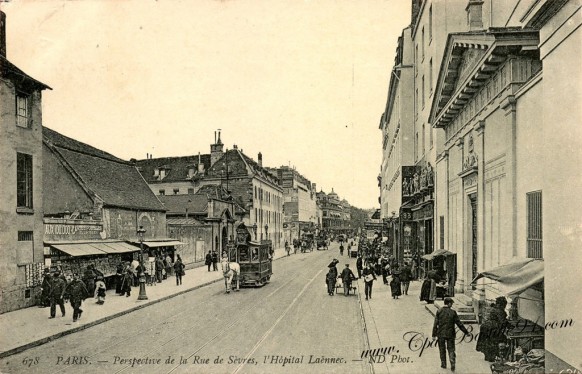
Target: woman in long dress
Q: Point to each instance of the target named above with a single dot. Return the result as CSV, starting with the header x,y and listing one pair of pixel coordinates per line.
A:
x,y
395,283
492,331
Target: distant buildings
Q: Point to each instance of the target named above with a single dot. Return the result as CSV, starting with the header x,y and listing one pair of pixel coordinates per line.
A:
x,y
335,213
299,203
253,187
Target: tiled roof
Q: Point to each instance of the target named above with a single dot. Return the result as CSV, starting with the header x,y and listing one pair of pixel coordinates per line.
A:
x,y
176,167
9,70
61,141
177,204
115,181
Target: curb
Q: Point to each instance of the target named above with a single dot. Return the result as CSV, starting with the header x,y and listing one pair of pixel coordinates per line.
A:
x,y
365,327
50,338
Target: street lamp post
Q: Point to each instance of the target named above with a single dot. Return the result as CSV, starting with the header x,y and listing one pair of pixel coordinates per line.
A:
x,y
266,232
255,230
142,281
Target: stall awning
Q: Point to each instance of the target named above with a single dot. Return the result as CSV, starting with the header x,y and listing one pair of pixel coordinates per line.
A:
x,y
92,249
517,276
440,252
163,244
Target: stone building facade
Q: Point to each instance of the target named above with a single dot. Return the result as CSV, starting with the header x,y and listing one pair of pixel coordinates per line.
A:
x,y
21,206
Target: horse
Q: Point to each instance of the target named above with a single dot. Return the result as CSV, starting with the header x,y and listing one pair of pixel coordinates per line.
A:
x,y
230,271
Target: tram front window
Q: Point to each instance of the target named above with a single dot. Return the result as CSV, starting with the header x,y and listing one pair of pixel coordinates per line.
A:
x,y
255,255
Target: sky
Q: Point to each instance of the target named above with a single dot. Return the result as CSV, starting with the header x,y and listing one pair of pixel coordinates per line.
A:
x,y
302,82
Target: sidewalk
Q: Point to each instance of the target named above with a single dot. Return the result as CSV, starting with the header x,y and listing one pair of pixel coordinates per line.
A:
x,y
394,323
27,328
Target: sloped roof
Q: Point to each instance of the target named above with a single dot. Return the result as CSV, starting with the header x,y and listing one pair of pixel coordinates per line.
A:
x,y
115,181
177,167
177,204
11,71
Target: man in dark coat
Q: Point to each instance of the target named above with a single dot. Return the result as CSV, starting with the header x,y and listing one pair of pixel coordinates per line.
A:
x,y
89,279
369,278
347,276
492,331
208,261
214,261
444,330
159,267
45,299
405,277
76,292
58,285
359,265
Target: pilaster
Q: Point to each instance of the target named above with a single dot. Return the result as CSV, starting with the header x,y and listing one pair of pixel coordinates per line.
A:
x,y
509,105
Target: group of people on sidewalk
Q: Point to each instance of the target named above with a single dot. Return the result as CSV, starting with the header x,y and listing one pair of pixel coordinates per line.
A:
x,y
56,289
211,260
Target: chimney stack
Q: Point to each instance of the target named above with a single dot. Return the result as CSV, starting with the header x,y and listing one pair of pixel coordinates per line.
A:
x,y
216,148
2,34
260,158
475,14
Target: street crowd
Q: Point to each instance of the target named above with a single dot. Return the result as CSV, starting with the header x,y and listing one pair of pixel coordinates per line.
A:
x,y
57,289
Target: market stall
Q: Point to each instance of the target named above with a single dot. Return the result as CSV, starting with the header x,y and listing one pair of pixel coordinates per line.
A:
x,y
524,350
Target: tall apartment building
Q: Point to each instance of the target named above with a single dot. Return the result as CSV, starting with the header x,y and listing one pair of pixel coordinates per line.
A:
x,y
299,203
21,209
496,124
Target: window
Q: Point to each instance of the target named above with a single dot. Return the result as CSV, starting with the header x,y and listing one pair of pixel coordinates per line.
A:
x,y
422,97
422,45
430,76
24,181
416,58
23,110
430,24
162,192
534,224
423,138
176,191
442,230
24,236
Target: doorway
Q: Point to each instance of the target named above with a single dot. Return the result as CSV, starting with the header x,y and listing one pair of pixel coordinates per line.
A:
x,y
474,251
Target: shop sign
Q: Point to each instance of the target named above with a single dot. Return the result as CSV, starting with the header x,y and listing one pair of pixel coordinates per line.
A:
x,y
71,231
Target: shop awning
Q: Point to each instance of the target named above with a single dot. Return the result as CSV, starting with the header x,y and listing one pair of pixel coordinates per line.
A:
x,y
517,276
163,244
440,252
120,247
78,249
93,249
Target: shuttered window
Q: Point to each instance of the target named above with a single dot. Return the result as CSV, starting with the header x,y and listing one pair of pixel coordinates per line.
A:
x,y
24,180
534,225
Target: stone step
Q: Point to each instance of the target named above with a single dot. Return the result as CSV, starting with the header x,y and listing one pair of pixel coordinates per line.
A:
x,y
463,299
432,309
460,308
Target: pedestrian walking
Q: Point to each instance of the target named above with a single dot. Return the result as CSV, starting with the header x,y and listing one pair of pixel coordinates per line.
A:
x,y
347,276
45,289
330,279
444,330
169,266
159,269
76,292
57,287
341,249
89,279
214,261
369,278
405,277
208,260
287,249
119,278
385,269
126,283
395,283
179,270
359,265
100,290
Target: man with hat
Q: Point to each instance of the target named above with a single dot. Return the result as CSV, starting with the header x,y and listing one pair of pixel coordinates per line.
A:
x,y
76,292
444,330
45,299
57,288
